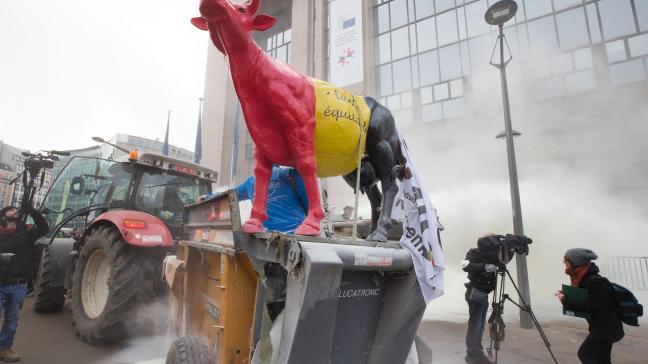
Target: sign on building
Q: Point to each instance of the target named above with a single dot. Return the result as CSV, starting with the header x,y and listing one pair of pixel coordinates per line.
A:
x,y
346,63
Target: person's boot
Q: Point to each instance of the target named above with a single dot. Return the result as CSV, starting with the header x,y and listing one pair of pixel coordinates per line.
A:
x,y
478,359
9,355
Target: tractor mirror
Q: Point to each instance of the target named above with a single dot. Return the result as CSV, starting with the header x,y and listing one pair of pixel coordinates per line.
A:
x,y
77,186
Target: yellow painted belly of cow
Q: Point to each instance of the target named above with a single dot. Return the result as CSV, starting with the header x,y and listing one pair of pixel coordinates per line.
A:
x,y
341,123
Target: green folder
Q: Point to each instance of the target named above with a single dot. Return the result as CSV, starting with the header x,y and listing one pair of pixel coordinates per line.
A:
x,y
577,294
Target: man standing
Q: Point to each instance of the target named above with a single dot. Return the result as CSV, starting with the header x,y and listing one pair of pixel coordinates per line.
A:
x,y
483,278
17,259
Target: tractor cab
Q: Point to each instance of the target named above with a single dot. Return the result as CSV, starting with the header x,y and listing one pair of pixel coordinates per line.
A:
x,y
131,214
155,184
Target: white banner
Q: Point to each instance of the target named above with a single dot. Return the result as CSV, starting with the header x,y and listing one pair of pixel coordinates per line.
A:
x,y
346,61
412,205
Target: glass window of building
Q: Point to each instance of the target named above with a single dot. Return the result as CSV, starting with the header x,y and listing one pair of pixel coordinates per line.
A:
x,y
426,95
429,68
278,45
382,18
424,8
616,51
415,72
450,62
563,4
594,26
427,34
627,72
442,5
412,37
398,13
456,88
447,31
400,43
583,59
402,75
542,35
572,28
385,79
481,49
475,18
441,92
642,14
638,45
383,51
537,8
617,18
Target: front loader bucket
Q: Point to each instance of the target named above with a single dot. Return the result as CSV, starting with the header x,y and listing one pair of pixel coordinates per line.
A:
x,y
346,301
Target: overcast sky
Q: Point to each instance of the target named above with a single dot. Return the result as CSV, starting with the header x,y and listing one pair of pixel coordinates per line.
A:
x,y
73,69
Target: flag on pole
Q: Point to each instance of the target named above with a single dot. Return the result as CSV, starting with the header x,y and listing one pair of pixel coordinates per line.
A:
x,y
165,147
198,147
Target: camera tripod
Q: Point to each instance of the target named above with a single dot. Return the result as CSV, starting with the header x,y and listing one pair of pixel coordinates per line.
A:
x,y
496,323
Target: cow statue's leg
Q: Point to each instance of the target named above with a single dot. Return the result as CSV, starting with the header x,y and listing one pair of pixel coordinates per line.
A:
x,y
308,171
383,151
262,175
368,185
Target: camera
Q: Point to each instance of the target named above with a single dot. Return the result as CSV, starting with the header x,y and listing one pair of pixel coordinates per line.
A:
x,y
500,249
33,163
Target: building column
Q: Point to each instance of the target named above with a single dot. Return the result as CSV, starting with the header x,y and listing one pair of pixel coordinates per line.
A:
x,y
303,30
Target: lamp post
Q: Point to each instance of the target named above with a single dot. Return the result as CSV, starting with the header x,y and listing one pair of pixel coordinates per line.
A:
x,y
498,14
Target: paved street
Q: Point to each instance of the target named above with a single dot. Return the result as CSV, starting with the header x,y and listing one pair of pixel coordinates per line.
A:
x,y
50,339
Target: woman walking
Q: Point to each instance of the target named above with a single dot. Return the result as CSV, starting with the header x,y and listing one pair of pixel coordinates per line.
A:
x,y
605,326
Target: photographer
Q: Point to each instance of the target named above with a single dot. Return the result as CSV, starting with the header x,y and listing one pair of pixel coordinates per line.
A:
x,y
480,264
17,259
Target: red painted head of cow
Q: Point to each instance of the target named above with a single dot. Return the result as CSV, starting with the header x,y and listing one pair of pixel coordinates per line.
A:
x,y
231,24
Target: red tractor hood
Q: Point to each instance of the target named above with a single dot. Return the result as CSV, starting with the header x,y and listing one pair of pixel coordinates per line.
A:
x,y
138,228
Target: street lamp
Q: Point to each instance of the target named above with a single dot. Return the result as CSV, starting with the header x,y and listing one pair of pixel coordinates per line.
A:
x,y
498,14
101,140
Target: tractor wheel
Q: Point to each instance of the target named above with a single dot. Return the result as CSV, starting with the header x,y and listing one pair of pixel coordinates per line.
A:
x,y
47,298
190,350
112,282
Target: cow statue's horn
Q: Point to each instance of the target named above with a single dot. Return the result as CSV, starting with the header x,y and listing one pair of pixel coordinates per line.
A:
x,y
254,6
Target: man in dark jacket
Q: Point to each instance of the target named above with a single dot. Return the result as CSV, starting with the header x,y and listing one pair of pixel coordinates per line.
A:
x,y
17,245
605,325
482,274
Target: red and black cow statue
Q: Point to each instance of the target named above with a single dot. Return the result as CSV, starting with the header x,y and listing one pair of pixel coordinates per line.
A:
x,y
302,122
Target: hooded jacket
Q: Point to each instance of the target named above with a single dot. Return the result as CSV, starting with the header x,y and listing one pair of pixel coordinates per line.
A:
x,y
600,303
22,244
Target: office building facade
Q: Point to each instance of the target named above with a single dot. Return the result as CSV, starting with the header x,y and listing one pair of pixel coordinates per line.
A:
x,y
577,82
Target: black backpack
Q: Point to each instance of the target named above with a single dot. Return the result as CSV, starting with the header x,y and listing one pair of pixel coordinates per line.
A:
x,y
627,305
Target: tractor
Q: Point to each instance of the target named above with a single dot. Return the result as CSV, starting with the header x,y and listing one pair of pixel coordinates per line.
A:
x,y
130,214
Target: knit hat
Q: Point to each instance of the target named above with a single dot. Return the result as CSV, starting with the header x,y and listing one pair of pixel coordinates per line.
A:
x,y
580,256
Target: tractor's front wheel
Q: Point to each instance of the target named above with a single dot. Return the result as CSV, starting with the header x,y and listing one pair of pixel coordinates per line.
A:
x,y
47,297
112,282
